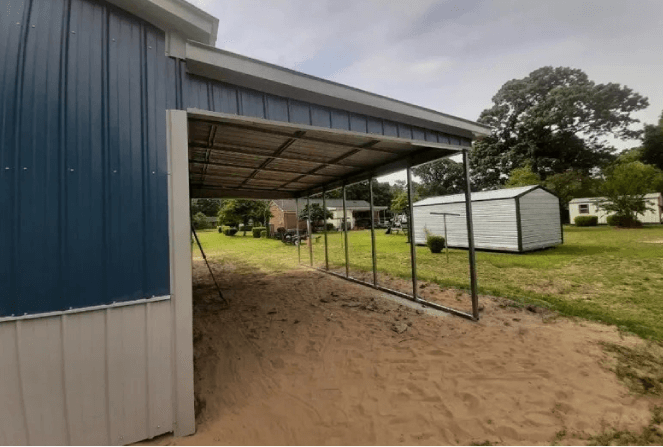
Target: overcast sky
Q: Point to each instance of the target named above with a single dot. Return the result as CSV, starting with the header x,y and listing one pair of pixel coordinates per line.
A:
x,y
451,56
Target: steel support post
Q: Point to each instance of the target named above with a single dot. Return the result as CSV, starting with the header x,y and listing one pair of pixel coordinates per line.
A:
x,y
299,245
410,226
373,252
309,230
324,213
470,238
345,236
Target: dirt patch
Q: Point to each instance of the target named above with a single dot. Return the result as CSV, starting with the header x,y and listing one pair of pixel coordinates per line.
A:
x,y
307,358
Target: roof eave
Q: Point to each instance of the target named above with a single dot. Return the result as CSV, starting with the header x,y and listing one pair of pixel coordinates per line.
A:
x,y
213,63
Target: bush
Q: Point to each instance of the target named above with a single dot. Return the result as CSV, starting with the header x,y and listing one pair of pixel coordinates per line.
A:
x,y
245,227
263,234
435,243
330,226
586,221
257,230
200,222
229,231
618,220
220,229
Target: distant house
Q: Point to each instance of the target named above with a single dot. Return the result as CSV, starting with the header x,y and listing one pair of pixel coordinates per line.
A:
x,y
358,213
589,207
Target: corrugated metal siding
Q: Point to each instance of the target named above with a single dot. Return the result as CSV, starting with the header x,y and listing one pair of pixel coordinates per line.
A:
x,y
494,224
83,176
92,378
540,220
189,91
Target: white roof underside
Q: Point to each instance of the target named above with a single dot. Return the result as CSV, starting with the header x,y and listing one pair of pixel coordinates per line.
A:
x,y
497,194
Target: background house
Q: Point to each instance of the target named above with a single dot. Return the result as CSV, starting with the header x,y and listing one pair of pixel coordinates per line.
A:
x,y
358,213
588,206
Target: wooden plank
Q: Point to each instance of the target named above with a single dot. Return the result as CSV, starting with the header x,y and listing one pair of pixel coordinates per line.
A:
x,y
84,337
127,377
41,365
160,377
12,413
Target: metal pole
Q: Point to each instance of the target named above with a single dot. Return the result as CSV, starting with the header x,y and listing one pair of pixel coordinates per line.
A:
x,y
299,248
446,241
470,239
309,229
345,236
410,225
373,253
324,213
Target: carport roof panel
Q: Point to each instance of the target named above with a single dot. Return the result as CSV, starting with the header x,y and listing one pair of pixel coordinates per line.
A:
x,y
297,159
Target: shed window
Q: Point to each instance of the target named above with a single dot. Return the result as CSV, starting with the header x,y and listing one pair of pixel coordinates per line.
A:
x,y
583,209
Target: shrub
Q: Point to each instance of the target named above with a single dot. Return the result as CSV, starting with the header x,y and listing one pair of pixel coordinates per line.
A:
x,y
200,222
618,220
220,229
263,234
257,230
229,231
435,243
586,221
245,227
330,226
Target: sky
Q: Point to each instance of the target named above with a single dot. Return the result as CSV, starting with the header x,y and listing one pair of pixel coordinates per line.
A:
x,y
451,56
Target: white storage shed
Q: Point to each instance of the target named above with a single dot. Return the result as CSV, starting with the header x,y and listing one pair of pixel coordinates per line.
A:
x,y
514,219
589,207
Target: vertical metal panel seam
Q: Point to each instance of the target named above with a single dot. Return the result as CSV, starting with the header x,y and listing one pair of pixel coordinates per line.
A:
x,y
18,104
20,382
105,148
145,172
107,377
519,225
148,425
63,333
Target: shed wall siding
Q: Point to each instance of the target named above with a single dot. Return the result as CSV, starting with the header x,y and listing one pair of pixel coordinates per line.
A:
x,y
540,220
97,377
494,224
83,178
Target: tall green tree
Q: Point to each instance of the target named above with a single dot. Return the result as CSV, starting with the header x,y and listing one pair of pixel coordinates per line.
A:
x,y
318,214
652,145
523,176
382,193
209,207
441,177
557,119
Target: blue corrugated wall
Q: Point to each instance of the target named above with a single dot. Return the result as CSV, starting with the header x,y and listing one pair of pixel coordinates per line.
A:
x,y
83,168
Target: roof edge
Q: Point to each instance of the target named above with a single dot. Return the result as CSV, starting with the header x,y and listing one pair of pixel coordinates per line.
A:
x,y
204,60
177,16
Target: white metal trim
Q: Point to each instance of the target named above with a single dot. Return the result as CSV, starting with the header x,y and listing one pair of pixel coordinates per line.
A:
x,y
85,309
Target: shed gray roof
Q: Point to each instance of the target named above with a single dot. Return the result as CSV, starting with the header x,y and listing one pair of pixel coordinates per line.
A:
x,y
497,194
289,205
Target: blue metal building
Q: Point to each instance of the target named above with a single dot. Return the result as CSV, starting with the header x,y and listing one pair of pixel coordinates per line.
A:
x,y
112,114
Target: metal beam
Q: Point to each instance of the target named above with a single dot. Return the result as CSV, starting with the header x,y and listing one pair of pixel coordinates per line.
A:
x,y
440,307
210,143
470,239
309,229
410,232
276,153
246,151
240,166
299,242
324,213
345,235
373,252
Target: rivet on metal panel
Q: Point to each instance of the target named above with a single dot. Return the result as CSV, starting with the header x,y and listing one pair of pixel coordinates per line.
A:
x,y
114,171
71,169
25,169
18,23
73,32
33,26
149,47
153,172
7,168
158,426
113,40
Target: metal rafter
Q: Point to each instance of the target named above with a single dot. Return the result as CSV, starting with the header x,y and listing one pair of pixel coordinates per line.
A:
x,y
280,171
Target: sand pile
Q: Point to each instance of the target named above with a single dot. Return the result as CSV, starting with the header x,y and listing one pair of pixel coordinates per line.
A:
x,y
306,358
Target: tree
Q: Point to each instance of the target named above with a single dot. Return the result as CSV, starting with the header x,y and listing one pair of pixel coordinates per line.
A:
x,y
557,119
209,207
652,145
200,222
240,211
317,213
440,178
625,187
523,176
382,193
400,203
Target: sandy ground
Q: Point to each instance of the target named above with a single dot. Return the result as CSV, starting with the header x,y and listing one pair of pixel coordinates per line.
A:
x,y
306,358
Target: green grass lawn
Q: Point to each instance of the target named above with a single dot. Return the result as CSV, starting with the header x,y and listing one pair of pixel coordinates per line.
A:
x,y
600,273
